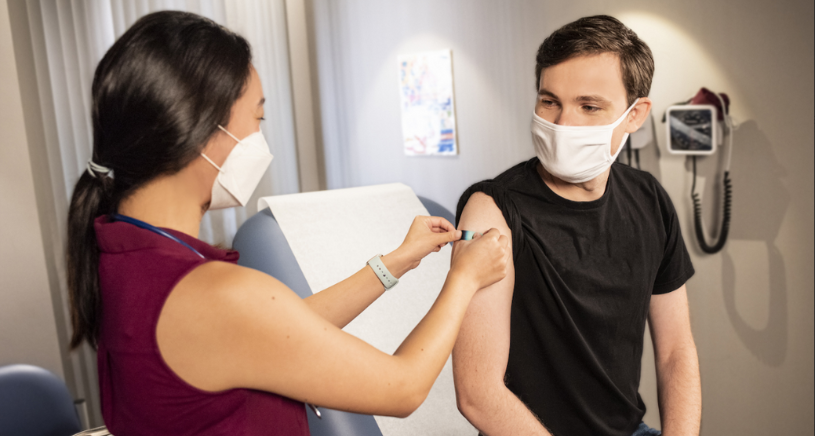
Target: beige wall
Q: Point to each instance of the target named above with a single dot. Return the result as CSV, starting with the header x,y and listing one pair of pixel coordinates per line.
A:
x,y
28,331
752,304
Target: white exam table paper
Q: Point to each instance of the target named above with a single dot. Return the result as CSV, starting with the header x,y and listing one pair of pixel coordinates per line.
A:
x,y
332,235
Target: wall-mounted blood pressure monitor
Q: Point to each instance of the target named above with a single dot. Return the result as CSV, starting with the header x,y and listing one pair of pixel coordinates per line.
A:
x,y
692,129
696,129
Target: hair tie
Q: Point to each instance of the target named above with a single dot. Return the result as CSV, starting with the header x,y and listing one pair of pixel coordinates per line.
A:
x,y
95,168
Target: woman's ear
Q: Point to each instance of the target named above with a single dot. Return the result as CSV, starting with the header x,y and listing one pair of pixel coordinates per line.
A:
x,y
638,115
218,147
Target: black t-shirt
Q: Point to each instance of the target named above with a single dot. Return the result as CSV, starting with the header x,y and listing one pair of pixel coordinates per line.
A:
x,y
584,276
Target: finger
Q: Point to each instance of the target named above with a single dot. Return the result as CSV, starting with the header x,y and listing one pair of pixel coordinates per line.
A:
x,y
439,224
493,233
507,254
443,238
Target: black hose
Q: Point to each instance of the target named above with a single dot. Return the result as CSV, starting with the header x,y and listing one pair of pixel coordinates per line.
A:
x,y
697,214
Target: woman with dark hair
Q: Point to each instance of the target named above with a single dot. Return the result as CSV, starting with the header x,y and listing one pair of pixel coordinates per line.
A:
x,y
187,341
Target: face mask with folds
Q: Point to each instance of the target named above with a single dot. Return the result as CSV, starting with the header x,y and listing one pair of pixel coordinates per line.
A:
x,y
575,154
240,173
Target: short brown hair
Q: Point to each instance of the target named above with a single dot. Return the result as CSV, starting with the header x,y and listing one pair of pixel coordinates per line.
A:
x,y
601,34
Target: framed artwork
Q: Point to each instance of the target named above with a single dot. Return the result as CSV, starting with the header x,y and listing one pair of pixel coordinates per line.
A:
x,y
428,106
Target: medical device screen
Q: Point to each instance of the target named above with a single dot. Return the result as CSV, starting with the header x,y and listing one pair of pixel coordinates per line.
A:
x,y
691,130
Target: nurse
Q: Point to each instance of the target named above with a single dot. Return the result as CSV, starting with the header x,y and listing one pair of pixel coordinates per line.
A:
x,y
189,342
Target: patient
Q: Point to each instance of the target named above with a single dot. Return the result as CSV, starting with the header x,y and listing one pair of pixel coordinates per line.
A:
x,y
555,347
188,342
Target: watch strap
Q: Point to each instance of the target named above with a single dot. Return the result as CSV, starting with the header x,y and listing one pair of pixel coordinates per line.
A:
x,y
381,271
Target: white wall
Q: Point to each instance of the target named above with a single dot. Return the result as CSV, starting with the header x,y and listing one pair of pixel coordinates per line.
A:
x,y
752,304
28,331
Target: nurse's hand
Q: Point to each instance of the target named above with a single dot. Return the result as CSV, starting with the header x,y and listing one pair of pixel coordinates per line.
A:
x,y
427,234
483,259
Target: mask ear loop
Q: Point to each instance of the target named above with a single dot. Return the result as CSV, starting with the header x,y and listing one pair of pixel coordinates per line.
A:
x,y
227,132
210,160
627,112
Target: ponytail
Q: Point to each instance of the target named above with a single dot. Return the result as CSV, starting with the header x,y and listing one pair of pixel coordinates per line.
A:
x,y
91,198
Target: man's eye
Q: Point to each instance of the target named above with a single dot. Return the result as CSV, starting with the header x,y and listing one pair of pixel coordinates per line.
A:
x,y
548,103
591,108
262,119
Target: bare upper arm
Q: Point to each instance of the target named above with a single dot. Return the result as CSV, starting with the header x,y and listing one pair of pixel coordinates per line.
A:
x,y
482,348
669,321
226,326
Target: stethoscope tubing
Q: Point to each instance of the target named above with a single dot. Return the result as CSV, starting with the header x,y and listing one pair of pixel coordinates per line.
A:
x,y
154,229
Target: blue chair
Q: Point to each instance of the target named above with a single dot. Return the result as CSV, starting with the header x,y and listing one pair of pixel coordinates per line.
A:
x,y
263,247
35,402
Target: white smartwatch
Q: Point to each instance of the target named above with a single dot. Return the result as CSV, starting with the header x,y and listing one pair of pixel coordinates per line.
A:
x,y
385,276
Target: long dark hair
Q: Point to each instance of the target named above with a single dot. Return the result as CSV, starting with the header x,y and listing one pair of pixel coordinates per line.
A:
x,y
159,94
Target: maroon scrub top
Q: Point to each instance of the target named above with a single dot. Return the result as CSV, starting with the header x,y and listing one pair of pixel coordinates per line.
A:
x,y
140,394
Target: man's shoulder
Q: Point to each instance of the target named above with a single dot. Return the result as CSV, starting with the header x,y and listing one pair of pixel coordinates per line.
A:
x,y
515,173
497,187
644,189
506,180
500,206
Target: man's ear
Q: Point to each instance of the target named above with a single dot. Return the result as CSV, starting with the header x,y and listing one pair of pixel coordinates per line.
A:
x,y
638,115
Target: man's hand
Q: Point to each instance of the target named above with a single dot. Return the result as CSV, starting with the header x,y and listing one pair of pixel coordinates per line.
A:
x,y
482,348
677,364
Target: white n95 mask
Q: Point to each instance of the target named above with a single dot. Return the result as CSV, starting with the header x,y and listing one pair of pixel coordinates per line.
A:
x,y
575,154
241,171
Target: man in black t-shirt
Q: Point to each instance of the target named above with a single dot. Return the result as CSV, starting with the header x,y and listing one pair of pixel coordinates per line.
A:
x,y
555,347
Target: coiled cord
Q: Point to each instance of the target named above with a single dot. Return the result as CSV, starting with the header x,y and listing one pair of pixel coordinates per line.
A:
x,y
697,214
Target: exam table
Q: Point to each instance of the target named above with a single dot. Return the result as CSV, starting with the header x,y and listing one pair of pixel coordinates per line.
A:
x,y
263,247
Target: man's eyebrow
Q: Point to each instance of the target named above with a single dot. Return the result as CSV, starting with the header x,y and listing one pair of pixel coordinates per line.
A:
x,y
542,92
591,98
580,99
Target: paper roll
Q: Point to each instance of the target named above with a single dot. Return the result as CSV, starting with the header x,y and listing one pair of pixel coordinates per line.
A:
x,y
332,235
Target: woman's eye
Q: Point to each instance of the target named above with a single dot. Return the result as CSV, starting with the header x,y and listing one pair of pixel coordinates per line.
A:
x,y
262,119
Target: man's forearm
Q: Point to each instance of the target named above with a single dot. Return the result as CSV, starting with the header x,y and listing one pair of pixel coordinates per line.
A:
x,y
498,412
680,393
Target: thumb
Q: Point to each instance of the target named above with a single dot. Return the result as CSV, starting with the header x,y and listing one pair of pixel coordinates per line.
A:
x,y
446,237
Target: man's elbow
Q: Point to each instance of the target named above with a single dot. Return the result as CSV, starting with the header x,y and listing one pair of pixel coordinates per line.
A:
x,y
470,400
466,407
683,353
